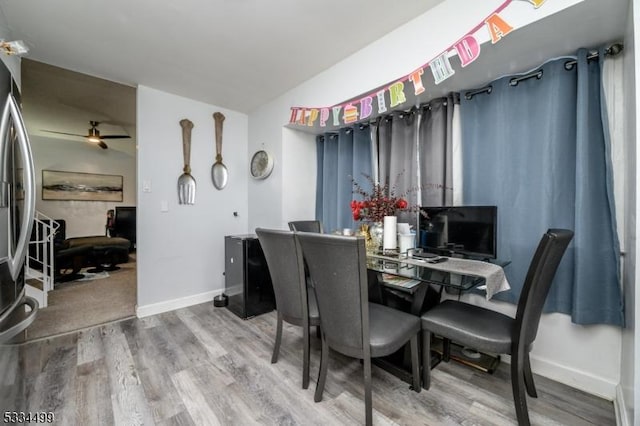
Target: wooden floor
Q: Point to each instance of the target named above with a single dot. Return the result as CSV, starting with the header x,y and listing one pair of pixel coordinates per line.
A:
x,y
203,365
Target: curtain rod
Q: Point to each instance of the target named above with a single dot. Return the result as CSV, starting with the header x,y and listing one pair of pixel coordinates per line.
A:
x,y
471,93
612,50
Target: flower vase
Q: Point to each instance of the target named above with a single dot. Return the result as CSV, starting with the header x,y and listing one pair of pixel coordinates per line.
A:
x,y
376,231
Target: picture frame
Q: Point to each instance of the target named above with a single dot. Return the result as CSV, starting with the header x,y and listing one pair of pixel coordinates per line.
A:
x,y
79,186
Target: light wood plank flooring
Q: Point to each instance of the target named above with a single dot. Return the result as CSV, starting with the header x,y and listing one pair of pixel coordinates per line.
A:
x,y
202,365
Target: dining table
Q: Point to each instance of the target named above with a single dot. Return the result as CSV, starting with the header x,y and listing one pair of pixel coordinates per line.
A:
x,y
415,283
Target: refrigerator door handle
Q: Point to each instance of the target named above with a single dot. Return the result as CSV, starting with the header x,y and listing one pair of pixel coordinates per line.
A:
x,y
14,330
12,111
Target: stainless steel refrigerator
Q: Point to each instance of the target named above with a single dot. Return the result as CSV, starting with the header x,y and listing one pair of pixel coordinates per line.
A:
x,y
17,209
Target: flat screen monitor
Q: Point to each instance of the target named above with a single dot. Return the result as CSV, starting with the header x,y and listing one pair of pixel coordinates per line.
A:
x,y
465,230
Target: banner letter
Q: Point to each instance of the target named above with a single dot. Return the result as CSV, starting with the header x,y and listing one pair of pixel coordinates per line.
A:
x,y
336,115
294,115
536,3
365,107
303,116
350,114
497,27
382,105
441,68
468,50
313,115
324,115
396,93
416,79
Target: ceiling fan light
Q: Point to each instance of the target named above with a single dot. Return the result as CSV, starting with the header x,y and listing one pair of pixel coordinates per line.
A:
x,y
93,139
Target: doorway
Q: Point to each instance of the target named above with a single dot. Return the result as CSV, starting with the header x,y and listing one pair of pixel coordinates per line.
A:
x,y
84,126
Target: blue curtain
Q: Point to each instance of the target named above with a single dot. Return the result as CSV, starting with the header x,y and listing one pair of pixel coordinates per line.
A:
x,y
341,157
537,149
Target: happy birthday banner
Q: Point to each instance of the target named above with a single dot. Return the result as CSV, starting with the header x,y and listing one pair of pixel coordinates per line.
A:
x,y
407,88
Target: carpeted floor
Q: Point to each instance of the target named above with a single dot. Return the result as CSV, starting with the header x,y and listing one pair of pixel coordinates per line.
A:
x,y
80,304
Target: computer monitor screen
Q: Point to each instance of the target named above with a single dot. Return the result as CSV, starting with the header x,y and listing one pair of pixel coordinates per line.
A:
x,y
466,230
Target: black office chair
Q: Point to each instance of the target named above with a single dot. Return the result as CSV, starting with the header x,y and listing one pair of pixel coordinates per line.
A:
x,y
493,332
294,304
349,323
306,226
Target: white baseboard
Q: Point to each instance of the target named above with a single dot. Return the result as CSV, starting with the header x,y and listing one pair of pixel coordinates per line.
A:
x,y
37,294
171,305
620,408
577,379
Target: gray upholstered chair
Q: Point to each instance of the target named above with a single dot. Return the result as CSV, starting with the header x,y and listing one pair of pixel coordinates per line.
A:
x,y
493,332
306,226
349,323
294,304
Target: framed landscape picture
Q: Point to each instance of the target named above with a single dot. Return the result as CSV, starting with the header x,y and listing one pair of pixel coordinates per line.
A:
x,y
66,186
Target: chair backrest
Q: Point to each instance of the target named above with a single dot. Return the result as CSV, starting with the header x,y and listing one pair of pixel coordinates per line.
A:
x,y
542,269
284,260
125,223
306,226
337,266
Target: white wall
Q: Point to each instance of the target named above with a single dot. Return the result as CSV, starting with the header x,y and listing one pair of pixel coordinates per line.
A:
x,y
12,62
181,251
628,394
83,218
585,357
297,149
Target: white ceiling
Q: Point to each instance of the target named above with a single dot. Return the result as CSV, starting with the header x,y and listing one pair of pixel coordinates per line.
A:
x,y
210,50
218,51
58,100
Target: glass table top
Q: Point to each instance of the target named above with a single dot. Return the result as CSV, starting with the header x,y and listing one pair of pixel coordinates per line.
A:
x,y
407,273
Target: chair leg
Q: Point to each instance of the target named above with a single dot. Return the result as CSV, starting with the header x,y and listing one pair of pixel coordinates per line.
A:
x,y
368,404
426,359
276,346
322,374
415,364
446,349
305,357
518,387
528,377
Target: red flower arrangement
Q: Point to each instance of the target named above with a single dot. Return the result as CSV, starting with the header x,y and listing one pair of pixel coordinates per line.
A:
x,y
378,203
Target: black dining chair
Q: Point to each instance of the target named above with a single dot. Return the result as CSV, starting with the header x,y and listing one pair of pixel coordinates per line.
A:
x,y
294,304
493,332
306,226
350,324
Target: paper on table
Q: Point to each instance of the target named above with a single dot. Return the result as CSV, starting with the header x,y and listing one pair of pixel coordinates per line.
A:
x,y
399,281
493,274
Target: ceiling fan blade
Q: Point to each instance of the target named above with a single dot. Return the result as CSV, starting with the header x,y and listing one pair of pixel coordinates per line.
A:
x,y
115,137
64,133
102,145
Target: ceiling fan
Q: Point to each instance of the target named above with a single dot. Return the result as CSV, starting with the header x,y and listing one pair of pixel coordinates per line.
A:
x,y
93,135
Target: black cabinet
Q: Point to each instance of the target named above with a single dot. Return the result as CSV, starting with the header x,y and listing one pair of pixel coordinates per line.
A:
x,y
247,280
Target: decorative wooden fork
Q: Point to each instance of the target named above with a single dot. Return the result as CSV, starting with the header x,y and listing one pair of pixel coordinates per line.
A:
x,y
186,182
